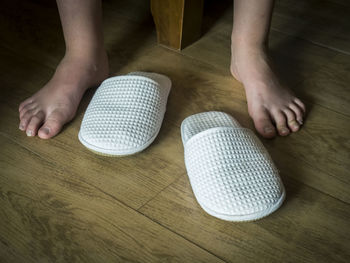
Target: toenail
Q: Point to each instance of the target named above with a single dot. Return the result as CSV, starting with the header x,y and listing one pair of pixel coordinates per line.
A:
x,y
46,130
300,122
284,130
21,127
268,130
29,133
294,124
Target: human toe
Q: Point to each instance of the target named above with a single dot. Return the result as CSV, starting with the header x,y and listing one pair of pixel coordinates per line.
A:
x,y
25,103
263,124
25,119
300,104
298,111
34,123
52,125
280,120
27,108
292,123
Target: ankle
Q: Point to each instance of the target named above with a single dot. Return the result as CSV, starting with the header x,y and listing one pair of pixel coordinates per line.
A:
x,y
86,53
244,39
94,60
248,59
245,49
81,72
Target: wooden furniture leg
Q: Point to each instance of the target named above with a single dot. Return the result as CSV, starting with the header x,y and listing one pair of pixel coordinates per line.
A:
x,y
178,22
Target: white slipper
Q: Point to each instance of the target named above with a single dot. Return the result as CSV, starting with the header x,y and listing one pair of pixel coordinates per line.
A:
x,y
125,114
230,171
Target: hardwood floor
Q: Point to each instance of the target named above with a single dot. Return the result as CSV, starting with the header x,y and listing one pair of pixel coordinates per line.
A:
x,y
60,202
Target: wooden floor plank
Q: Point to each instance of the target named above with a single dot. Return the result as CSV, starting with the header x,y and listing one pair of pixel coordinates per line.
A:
x,y
134,187
60,202
151,171
309,227
201,87
49,214
329,86
32,29
323,143
324,23
296,61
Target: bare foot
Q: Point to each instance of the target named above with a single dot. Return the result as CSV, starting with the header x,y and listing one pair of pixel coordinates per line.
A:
x,y
45,113
273,108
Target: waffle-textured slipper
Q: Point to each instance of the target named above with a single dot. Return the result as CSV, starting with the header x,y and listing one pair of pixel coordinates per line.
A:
x,y
125,114
231,173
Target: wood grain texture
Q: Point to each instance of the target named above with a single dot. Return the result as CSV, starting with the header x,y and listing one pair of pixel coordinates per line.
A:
x,y
329,85
67,217
131,187
296,60
292,234
61,203
328,157
178,22
324,23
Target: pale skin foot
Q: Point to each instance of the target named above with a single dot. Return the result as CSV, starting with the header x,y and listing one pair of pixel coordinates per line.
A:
x,y
45,113
273,108
85,65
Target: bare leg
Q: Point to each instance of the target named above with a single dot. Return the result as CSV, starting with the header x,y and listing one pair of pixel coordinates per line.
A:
x,y
270,105
84,65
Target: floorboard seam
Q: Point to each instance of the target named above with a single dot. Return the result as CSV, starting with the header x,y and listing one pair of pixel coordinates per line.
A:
x,y
176,179
121,202
18,54
163,226
178,234
317,190
28,149
313,42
